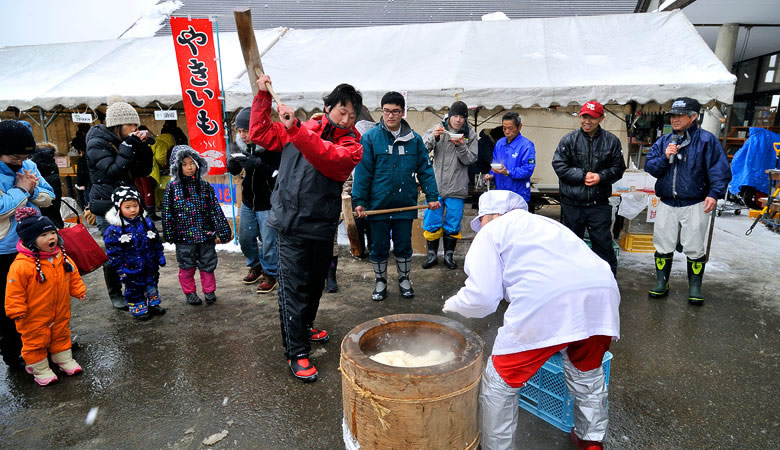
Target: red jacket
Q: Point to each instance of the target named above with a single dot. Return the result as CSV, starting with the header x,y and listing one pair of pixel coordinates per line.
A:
x,y
334,156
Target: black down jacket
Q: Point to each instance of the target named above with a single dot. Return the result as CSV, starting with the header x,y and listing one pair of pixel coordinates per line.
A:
x,y
577,154
261,168
44,158
113,162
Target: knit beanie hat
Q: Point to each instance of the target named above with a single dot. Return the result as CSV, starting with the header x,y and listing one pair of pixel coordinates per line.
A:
x,y
120,113
30,225
459,109
242,119
123,194
15,138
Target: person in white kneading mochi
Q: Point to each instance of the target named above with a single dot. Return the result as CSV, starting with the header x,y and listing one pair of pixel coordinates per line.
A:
x,y
562,298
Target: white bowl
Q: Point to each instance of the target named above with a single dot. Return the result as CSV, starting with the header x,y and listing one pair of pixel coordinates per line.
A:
x,y
496,166
455,135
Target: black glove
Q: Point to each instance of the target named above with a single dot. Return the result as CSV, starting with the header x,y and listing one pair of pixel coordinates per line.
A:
x,y
133,141
251,162
234,166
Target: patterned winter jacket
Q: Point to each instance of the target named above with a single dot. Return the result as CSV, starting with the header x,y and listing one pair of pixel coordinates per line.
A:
x,y
191,212
134,247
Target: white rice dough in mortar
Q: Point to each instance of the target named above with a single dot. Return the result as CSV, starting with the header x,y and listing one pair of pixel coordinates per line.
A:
x,y
400,358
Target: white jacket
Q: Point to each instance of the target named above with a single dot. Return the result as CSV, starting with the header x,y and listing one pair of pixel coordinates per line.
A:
x,y
558,290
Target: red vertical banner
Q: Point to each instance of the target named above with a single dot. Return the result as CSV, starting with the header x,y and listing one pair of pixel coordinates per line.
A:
x,y
196,58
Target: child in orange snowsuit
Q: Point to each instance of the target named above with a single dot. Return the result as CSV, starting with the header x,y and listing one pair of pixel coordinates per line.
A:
x,y
41,282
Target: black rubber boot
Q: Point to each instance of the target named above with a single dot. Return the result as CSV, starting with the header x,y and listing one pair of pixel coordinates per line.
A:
x,y
663,268
449,252
114,287
404,266
695,275
380,276
330,283
119,303
431,260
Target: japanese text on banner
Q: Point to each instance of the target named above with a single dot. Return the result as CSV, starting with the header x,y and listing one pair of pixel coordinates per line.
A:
x,y
196,58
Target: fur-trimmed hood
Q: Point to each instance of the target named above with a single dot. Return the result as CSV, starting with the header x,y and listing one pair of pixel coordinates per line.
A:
x,y
113,218
44,157
177,156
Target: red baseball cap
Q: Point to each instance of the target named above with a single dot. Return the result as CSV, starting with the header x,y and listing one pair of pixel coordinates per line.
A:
x,y
592,108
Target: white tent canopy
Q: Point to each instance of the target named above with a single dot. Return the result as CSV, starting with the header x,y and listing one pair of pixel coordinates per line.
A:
x,y
516,63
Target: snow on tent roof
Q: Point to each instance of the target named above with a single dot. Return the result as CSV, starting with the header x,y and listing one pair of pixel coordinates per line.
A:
x,y
528,62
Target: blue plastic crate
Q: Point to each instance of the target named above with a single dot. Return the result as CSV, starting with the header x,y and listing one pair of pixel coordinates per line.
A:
x,y
545,394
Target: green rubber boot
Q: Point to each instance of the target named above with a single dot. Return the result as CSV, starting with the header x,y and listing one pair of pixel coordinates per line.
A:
x,y
695,275
663,268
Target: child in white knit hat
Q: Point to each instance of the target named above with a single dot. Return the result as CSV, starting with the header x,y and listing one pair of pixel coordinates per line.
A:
x,y
116,153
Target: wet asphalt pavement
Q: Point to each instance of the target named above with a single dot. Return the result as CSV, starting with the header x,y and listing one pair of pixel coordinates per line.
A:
x,y
681,377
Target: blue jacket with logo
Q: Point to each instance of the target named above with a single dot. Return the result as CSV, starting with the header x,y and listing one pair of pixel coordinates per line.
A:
x,y
701,171
385,177
519,158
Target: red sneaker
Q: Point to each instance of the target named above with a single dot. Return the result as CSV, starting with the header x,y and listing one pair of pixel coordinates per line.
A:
x,y
303,370
316,335
579,444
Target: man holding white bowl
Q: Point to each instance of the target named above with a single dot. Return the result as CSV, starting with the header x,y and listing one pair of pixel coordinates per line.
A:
x,y
514,159
454,147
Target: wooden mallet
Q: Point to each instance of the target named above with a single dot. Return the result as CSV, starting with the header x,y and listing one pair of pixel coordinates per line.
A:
x,y
254,66
349,220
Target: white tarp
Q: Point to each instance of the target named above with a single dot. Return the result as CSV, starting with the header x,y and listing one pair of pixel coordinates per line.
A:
x,y
569,60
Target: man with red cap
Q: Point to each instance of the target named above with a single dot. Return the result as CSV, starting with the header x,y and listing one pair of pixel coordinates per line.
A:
x,y
588,161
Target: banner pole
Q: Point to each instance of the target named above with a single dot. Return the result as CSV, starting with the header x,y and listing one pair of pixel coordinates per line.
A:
x,y
227,136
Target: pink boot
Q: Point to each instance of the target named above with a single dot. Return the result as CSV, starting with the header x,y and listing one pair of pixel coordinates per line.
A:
x,y
43,374
67,364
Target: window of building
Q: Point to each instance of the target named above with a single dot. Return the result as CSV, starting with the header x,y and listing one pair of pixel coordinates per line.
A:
x,y
746,76
769,78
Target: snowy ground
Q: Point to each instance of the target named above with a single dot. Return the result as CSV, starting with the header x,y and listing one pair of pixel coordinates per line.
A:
x,y
734,256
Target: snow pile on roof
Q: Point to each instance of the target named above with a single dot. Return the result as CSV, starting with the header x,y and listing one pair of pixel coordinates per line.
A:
x,y
498,15
152,20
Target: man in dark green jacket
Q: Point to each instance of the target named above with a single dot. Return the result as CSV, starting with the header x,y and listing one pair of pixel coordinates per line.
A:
x,y
394,160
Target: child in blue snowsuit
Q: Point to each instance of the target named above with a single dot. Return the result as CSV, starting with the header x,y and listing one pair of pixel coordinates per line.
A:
x,y
192,219
135,251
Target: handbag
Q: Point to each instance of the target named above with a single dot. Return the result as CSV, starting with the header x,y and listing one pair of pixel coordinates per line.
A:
x,y
89,218
82,248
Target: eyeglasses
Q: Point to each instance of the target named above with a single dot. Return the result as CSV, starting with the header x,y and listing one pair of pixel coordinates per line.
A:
x,y
392,112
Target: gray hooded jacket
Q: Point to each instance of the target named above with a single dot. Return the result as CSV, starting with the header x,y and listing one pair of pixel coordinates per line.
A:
x,y
451,162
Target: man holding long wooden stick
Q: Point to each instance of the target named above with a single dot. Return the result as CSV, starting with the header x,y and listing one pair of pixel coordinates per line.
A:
x,y
394,160
317,157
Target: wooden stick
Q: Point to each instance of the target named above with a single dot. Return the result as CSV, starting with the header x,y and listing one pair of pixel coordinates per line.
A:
x,y
393,210
254,65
